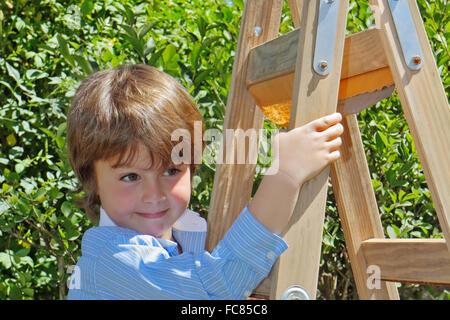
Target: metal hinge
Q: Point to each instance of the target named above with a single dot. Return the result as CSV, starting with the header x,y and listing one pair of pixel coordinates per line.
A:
x,y
325,38
407,34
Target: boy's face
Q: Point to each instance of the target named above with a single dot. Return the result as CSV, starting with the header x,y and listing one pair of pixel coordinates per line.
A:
x,y
148,201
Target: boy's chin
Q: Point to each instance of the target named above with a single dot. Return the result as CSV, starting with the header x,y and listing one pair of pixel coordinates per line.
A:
x,y
165,233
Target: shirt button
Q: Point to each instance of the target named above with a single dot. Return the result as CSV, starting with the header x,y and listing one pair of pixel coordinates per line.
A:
x,y
270,255
197,263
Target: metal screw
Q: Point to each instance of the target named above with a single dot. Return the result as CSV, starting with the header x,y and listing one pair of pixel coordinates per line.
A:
x,y
417,60
323,65
296,293
257,31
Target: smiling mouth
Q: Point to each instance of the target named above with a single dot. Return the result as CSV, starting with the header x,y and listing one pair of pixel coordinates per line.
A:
x,y
154,215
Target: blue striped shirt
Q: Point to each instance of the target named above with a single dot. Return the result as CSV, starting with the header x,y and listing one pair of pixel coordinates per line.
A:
x,y
119,263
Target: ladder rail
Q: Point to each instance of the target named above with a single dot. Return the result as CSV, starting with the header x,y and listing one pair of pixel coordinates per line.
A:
x,y
313,96
228,197
425,107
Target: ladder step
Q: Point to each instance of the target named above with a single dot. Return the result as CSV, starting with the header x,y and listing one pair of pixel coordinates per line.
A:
x,y
425,261
272,69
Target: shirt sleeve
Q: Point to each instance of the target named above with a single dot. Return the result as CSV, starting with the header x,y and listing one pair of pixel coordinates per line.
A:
x,y
137,270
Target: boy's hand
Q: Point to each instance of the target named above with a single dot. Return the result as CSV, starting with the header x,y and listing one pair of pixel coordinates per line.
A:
x,y
305,151
302,153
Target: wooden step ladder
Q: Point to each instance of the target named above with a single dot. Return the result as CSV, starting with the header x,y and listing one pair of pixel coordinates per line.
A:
x,y
294,81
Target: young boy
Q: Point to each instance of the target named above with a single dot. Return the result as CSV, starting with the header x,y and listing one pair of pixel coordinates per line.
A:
x,y
148,245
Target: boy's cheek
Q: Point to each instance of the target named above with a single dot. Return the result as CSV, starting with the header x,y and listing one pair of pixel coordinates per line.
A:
x,y
117,198
181,191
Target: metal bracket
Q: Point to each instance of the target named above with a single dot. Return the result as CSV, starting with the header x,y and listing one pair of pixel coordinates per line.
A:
x,y
407,34
325,37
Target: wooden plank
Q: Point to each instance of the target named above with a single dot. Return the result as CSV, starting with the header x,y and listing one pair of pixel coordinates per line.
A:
x,y
362,53
314,96
369,81
425,107
276,107
272,68
295,7
357,207
424,261
233,182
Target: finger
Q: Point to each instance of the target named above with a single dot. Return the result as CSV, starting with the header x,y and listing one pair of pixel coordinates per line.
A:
x,y
334,144
333,132
327,121
333,156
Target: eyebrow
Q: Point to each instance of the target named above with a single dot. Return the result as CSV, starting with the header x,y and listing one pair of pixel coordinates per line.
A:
x,y
150,167
130,167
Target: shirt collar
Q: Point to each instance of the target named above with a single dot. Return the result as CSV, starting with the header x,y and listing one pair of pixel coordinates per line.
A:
x,y
105,220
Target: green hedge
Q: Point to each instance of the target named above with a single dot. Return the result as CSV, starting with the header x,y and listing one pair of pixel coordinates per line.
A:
x,y
47,47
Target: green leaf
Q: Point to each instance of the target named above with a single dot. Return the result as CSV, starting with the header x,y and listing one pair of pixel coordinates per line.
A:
x,y
201,77
130,31
19,167
154,57
72,234
28,292
136,44
20,24
55,193
14,292
34,74
64,49
84,64
40,195
170,59
13,92
130,15
66,209
202,24
393,196
22,252
328,240
169,53
144,30
86,7
60,142
149,47
11,139
6,187
13,73
196,181
195,54
391,231
380,141
5,260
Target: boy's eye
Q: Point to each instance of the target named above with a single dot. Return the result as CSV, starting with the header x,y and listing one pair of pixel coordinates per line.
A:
x,y
171,172
130,177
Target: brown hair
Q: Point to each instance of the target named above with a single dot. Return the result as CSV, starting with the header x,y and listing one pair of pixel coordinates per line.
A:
x,y
114,110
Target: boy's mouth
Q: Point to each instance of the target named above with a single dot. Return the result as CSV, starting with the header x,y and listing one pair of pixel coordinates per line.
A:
x,y
152,215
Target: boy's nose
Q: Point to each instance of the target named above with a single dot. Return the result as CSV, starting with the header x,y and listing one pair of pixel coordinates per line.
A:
x,y
152,192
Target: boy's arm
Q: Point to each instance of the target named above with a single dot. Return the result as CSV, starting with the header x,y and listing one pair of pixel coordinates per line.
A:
x,y
300,154
274,201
